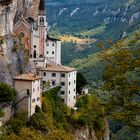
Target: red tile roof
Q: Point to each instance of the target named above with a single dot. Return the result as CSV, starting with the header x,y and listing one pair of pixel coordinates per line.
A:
x,y
27,77
57,68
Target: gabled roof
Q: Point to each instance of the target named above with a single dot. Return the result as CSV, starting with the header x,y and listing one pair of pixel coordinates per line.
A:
x,y
42,5
52,39
27,77
57,68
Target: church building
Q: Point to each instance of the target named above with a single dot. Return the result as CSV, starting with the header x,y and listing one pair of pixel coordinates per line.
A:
x,y
45,54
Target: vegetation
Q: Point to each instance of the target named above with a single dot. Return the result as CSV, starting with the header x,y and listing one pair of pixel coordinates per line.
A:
x,y
7,93
80,83
56,120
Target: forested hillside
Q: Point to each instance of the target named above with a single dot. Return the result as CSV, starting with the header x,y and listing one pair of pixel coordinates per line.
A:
x,y
100,20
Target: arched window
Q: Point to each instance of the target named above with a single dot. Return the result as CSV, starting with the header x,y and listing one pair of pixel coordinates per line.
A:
x,y
34,53
22,35
41,21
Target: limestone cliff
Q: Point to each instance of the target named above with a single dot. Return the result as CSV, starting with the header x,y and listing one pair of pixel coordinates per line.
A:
x,y
15,10
10,12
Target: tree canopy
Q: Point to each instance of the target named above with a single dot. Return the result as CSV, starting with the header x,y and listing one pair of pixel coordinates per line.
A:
x,y
81,82
7,93
122,83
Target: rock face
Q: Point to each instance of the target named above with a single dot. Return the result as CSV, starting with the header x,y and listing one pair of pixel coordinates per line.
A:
x,y
15,10
10,12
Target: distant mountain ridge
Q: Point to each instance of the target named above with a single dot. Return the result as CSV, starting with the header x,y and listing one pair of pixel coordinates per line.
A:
x,y
113,17
99,19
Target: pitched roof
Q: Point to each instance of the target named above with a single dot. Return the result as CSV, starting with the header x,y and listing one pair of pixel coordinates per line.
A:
x,y
57,68
27,77
42,5
52,39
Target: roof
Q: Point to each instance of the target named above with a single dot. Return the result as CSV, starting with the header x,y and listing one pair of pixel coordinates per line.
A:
x,y
27,77
52,39
57,68
42,5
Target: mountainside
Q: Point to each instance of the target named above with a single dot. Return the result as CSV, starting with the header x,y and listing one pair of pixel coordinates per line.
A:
x,y
100,20
94,18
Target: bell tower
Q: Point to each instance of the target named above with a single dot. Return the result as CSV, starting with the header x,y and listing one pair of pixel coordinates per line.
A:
x,y
42,27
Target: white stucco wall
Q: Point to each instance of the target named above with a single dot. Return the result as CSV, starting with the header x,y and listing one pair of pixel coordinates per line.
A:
x,y
27,104
53,46
70,90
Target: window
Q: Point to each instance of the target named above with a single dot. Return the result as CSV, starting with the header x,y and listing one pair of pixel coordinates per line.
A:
x,y
69,83
74,90
47,52
47,44
63,75
28,92
74,97
74,81
63,100
69,75
33,90
33,100
38,88
34,46
52,52
52,44
38,98
62,83
69,92
44,73
52,58
44,82
53,74
62,92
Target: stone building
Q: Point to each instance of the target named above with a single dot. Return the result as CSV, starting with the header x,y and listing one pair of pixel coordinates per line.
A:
x,y
28,93
52,50
58,75
45,54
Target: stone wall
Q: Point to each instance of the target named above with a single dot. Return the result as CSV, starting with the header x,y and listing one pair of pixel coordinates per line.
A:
x,y
8,113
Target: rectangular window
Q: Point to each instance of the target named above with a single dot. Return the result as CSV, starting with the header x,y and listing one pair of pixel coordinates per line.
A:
x,y
62,83
63,100
53,74
38,98
44,82
69,92
63,75
52,44
47,52
52,52
33,100
69,83
44,73
62,92
74,81
74,90
33,90
28,92
47,44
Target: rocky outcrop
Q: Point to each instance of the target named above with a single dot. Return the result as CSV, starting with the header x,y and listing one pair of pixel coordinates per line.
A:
x,y
16,9
84,134
13,62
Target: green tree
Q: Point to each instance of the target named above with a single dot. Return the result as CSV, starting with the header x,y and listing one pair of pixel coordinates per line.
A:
x,y
7,93
80,83
122,84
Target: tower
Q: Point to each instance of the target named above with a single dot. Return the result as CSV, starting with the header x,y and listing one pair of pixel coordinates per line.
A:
x,y
42,27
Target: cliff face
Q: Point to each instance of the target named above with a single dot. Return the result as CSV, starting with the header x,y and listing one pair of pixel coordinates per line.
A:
x,y
10,13
15,10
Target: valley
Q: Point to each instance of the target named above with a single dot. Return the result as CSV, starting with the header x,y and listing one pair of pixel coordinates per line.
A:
x,y
100,20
